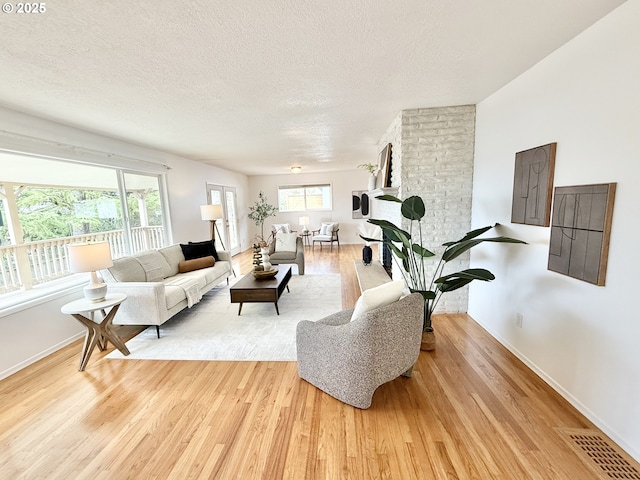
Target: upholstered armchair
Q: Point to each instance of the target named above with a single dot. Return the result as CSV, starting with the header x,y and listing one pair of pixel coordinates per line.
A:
x,y
279,255
349,360
328,232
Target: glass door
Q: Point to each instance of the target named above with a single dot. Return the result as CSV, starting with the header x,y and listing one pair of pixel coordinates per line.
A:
x,y
227,227
231,223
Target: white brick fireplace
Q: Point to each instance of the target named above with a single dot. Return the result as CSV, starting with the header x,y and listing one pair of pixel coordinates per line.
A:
x,y
432,157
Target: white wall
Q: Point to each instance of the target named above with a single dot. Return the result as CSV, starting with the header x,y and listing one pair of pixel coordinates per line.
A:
x,y
30,334
583,339
343,184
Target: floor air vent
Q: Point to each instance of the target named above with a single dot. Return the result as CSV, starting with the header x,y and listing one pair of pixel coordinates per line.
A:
x,y
601,455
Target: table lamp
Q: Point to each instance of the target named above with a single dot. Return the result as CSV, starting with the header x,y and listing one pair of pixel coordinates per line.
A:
x,y
304,222
90,257
211,213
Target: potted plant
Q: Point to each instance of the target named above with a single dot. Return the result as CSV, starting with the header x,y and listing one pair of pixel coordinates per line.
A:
x,y
373,171
259,212
409,254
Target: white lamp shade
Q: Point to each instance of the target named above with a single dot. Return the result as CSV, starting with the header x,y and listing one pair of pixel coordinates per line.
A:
x,y
89,257
211,212
303,220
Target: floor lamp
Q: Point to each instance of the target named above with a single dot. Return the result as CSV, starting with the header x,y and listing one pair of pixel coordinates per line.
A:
x,y
213,213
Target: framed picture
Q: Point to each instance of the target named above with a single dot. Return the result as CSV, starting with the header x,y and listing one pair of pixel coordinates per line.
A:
x,y
580,231
533,185
384,166
359,204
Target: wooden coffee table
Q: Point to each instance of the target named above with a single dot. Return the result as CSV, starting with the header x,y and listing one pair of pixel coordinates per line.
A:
x,y
250,290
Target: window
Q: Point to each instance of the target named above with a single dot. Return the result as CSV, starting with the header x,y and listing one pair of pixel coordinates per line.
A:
x,y
47,204
298,198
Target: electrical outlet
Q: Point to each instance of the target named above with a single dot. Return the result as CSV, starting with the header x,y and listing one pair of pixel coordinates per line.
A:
x,y
519,319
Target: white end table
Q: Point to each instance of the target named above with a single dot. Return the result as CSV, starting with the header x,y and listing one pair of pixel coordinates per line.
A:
x,y
98,332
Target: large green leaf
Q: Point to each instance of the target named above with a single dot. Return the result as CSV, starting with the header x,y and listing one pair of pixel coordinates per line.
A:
x,y
413,208
454,284
459,248
399,253
367,239
389,198
393,233
470,273
421,251
469,235
426,294
404,255
458,280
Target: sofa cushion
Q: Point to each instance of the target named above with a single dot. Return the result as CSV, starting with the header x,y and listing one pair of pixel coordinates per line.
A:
x,y
280,256
191,251
127,269
196,264
379,296
173,295
154,265
208,275
285,242
173,255
200,277
210,246
326,228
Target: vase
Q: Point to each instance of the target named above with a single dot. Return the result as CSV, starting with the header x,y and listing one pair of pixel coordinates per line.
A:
x,y
372,182
428,342
265,259
367,255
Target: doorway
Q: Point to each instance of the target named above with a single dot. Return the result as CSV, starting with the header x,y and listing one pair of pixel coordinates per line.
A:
x,y
227,229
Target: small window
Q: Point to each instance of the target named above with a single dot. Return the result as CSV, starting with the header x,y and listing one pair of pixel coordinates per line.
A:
x,y
297,198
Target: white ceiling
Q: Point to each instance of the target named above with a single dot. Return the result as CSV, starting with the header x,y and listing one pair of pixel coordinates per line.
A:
x,y
255,86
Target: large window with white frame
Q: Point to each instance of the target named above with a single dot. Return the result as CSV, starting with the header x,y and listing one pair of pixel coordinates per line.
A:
x,y
300,198
49,203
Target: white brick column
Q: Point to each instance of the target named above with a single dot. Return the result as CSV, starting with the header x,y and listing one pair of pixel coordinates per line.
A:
x,y
432,157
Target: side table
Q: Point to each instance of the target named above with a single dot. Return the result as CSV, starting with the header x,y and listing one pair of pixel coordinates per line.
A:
x,y
98,332
305,238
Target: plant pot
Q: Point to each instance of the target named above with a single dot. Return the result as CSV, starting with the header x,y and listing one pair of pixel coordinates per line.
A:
x,y
428,342
372,182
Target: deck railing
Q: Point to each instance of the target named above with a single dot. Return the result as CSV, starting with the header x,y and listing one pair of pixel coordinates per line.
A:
x,y
34,263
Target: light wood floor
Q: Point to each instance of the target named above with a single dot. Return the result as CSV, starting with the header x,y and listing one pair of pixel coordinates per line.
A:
x,y
471,411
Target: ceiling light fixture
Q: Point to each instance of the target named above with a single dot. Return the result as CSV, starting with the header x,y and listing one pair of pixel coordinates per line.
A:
x,y
296,169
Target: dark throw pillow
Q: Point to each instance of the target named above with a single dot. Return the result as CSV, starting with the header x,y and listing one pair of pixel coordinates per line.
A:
x,y
191,251
210,246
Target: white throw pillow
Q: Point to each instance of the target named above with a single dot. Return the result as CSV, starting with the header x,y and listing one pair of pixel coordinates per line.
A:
x,y
281,227
286,242
377,297
326,229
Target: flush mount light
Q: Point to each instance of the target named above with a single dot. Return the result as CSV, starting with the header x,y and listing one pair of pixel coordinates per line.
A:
x,y
296,169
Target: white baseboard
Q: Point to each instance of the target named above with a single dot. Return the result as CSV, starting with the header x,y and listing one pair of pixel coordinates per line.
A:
x,y
40,356
565,394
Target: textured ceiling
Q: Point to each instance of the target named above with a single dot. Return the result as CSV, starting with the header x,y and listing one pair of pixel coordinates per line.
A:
x,y
256,86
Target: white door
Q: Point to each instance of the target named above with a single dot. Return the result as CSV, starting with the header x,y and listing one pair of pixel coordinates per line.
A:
x,y
227,228
231,219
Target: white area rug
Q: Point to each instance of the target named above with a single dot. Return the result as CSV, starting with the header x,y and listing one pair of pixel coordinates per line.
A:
x,y
212,329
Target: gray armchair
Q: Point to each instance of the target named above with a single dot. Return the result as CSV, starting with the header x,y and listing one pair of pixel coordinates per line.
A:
x,y
350,360
297,257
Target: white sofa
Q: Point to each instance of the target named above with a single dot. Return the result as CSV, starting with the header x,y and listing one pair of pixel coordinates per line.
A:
x,y
155,289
